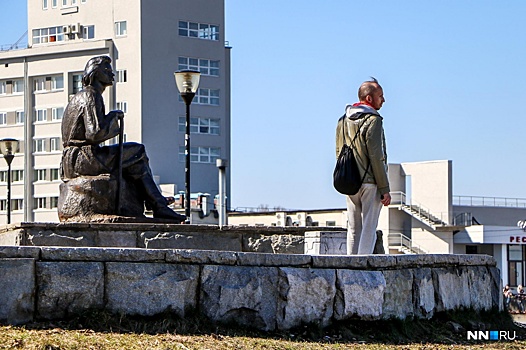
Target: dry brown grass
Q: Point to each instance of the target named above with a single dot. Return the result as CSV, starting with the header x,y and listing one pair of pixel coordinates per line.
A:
x,y
98,330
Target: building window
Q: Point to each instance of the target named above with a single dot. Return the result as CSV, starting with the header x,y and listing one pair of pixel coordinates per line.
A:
x,y
201,154
17,175
122,76
53,202
57,113
40,84
3,88
17,204
77,83
73,2
515,265
88,32
64,2
40,175
206,67
47,35
40,203
120,28
3,176
3,118
83,1
122,106
3,204
45,4
40,145
200,125
57,82
18,86
55,144
41,115
208,97
199,30
54,3
55,175
20,117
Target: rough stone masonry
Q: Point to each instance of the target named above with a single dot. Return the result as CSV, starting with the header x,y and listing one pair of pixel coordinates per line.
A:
x,y
265,291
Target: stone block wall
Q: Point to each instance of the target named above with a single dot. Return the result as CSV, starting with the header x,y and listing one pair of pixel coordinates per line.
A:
x,y
279,240
265,291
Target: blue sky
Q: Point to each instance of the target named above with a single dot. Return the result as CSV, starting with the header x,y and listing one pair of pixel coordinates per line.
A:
x,y
452,71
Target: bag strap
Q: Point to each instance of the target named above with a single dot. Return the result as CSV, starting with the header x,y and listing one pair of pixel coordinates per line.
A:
x,y
354,138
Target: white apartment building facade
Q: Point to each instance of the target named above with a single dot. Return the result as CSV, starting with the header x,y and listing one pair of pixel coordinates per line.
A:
x,y
148,41
425,217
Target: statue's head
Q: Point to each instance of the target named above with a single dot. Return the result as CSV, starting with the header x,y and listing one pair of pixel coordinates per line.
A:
x,y
99,64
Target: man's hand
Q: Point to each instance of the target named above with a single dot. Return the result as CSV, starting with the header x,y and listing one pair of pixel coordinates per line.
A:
x,y
386,199
120,114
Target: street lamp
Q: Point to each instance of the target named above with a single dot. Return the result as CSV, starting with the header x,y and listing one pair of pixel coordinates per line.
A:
x,y
8,147
187,82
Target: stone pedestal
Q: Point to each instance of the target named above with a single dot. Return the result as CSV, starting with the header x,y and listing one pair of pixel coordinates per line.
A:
x,y
87,197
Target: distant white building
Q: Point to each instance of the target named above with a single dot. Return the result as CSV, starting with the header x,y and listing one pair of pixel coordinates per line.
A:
x,y
425,217
148,41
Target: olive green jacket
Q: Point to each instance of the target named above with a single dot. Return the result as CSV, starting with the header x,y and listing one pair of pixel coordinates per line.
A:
x,y
369,146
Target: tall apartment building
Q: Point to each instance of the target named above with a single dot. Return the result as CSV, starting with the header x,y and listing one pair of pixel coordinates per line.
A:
x,y
148,41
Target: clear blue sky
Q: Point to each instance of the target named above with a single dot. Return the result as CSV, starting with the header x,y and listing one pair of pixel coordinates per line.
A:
x,y
452,71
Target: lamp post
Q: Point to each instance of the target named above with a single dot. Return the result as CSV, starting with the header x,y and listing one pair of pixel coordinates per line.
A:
x,y
8,147
187,82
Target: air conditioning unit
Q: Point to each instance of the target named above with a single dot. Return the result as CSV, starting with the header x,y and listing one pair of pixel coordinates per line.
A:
x,y
66,29
75,28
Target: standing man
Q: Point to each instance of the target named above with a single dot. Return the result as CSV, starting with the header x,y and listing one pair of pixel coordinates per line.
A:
x,y
363,208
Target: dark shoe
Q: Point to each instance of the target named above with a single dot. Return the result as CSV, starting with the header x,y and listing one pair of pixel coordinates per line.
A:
x,y
167,213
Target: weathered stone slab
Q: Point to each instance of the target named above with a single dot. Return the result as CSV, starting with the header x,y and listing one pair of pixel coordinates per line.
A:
x,y
149,289
243,295
116,239
358,262
287,244
414,260
103,254
17,290
201,257
496,288
444,259
359,294
20,252
480,280
85,197
476,260
423,293
61,239
451,288
14,237
186,240
266,259
66,288
306,296
381,261
398,294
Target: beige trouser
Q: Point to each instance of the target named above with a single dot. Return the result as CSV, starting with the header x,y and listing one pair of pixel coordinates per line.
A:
x,y
363,211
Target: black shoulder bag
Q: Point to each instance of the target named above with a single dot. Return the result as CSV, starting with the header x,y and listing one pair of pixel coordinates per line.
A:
x,y
346,176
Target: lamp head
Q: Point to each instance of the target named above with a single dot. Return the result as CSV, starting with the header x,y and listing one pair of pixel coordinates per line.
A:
x,y
8,146
187,81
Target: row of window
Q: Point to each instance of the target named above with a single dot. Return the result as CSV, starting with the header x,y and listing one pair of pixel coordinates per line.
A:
x,y
12,86
199,30
17,204
200,154
205,97
209,126
39,175
40,115
54,3
43,145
